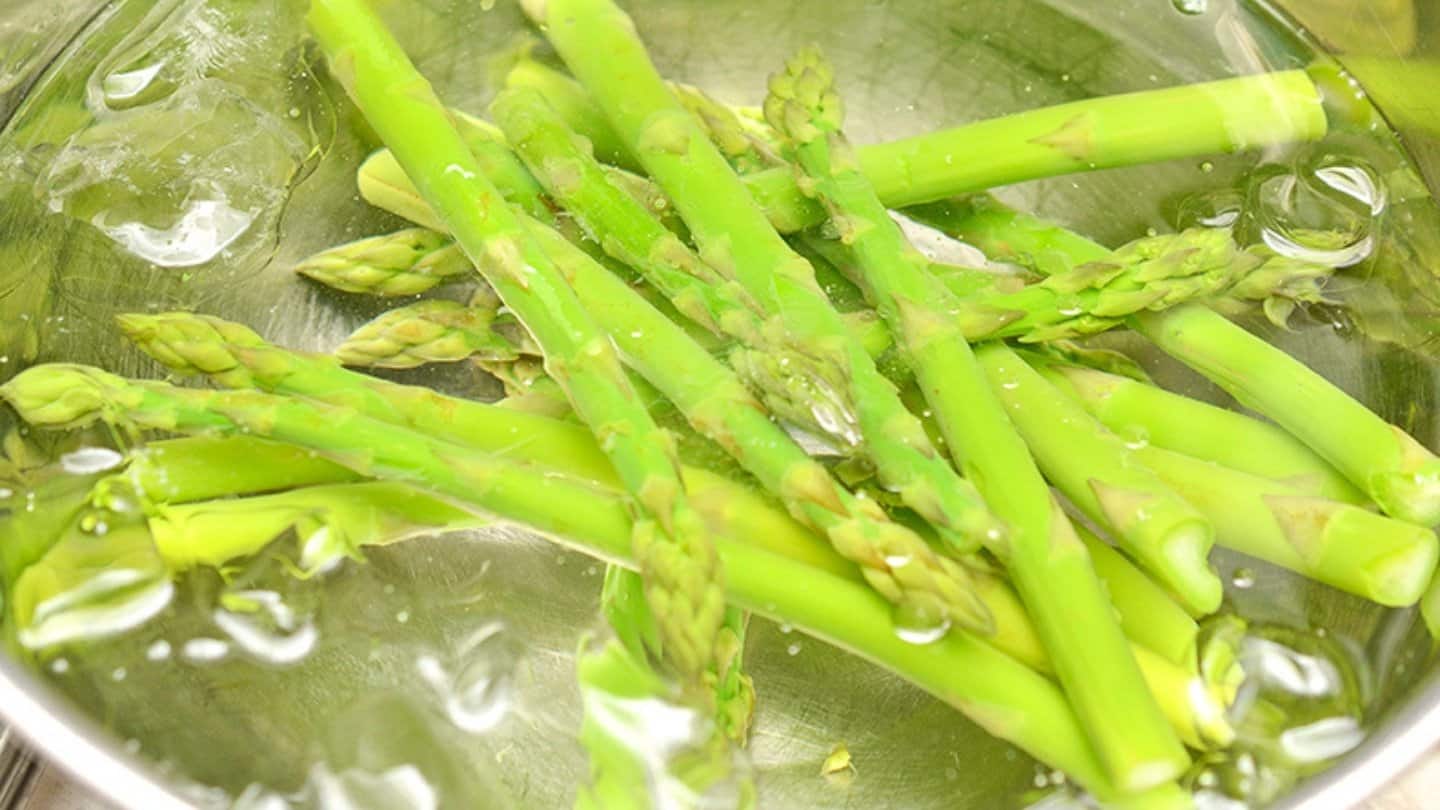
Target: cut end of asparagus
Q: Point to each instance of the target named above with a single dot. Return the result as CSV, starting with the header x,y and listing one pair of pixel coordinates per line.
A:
x,y
1413,493
1400,579
1186,550
62,395
1178,545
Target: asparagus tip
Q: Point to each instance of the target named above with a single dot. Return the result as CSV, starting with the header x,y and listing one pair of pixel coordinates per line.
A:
x,y
62,395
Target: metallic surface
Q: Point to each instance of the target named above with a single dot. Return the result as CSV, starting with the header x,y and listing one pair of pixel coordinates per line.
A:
x,y
1409,726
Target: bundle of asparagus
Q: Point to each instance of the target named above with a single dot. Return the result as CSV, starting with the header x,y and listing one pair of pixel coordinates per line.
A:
x,y
626,244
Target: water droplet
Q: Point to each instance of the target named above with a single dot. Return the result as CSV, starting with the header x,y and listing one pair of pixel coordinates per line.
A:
x,y
201,231
118,674
917,624
1207,166
793,649
403,616
1243,578
263,625
476,687
204,650
60,666
897,560
1321,740
159,651
88,460
787,628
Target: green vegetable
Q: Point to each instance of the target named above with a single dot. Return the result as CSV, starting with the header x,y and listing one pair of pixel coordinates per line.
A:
x,y
1048,564
996,691
1380,459
1347,546
1230,115
406,262
600,46
433,331
1144,413
1395,470
1099,474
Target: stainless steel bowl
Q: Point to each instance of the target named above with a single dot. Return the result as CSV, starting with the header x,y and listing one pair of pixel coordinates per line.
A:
x,y
908,65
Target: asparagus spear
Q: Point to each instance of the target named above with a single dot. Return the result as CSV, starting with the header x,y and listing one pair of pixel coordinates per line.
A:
x,y
1380,459
1098,473
406,262
1148,614
1049,565
236,357
332,520
1230,115
999,693
200,468
736,240
1149,414
1347,546
1395,470
433,331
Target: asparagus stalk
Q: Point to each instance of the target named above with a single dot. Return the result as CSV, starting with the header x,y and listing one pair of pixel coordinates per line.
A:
x,y
1148,614
681,569
332,520
795,384
1148,414
736,240
235,357
895,561
1099,474
200,468
1379,458
406,262
999,693
433,331
1343,545
1230,115
1395,470
1050,566
742,147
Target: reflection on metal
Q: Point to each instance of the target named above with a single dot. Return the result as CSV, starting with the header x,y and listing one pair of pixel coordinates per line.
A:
x,y
17,771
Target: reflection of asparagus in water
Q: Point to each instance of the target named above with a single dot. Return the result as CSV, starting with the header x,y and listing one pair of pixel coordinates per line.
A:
x,y
1049,565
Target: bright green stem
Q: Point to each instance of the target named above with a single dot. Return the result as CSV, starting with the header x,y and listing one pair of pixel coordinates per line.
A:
x,y
1347,546
713,399
1400,474
1054,573
1002,695
617,221
1148,414
329,518
681,570
1099,474
1380,459
235,357
1121,717
1148,614
199,468
718,405
599,43
1230,115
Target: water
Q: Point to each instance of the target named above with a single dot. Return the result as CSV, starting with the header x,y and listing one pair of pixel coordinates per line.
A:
x,y
192,151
